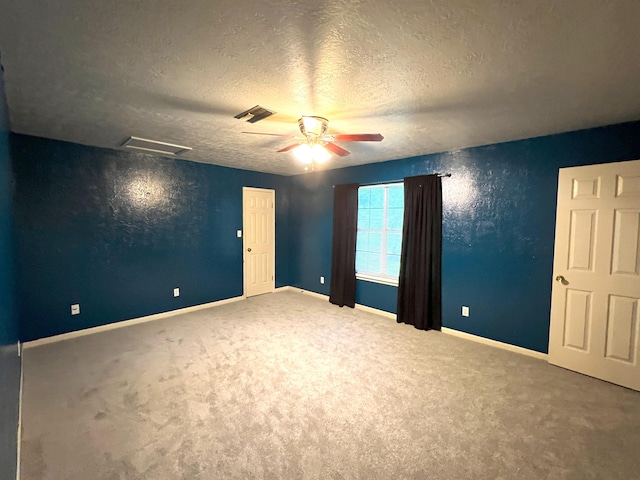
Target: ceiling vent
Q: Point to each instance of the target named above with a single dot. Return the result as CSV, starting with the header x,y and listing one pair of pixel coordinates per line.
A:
x,y
254,114
153,146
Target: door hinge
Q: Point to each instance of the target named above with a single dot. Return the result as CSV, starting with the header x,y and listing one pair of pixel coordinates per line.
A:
x,y
272,277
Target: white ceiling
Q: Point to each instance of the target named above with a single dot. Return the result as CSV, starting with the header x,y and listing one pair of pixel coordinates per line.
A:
x,y
430,76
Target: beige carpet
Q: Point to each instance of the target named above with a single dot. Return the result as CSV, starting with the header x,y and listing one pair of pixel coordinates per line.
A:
x,y
287,386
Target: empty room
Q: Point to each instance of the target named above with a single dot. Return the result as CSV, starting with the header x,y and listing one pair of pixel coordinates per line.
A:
x,y
330,240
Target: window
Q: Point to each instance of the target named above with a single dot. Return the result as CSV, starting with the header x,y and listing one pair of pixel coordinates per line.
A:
x,y
379,238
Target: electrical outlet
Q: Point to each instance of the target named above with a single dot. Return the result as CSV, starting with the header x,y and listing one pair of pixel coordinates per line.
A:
x,y
176,292
322,280
75,309
465,311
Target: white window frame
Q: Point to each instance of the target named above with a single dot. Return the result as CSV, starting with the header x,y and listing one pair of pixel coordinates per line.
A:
x,y
384,279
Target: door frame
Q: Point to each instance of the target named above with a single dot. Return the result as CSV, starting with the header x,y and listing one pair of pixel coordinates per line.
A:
x,y
244,229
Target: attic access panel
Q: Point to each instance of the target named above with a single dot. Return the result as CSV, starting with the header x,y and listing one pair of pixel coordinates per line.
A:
x,y
155,146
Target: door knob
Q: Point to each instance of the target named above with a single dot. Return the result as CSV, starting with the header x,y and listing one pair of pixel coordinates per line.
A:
x,y
561,279
248,249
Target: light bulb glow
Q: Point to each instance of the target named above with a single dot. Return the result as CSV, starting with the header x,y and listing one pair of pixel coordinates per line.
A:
x,y
319,153
303,153
313,126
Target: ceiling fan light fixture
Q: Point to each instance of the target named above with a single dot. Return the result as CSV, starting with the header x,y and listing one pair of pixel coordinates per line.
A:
x,y
315,147
313,126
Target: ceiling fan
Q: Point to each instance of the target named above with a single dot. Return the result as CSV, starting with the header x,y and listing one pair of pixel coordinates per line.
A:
x,y
315,145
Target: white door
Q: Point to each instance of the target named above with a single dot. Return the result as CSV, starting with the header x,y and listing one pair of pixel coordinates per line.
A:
x,y
595,319
258,217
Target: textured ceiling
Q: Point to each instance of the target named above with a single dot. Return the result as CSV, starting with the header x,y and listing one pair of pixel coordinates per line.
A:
x,y
429,75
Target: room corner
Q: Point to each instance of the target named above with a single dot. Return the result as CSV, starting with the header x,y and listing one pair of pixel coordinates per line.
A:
x,y
10,361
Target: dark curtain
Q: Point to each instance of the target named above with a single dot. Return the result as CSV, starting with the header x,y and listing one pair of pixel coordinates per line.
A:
x,y
419,284
343,251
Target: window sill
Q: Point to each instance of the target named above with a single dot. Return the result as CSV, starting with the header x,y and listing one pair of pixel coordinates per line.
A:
x,y
384,281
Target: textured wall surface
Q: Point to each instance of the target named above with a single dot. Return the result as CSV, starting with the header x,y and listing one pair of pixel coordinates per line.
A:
x,y
9,360
431,76
117,231
498,227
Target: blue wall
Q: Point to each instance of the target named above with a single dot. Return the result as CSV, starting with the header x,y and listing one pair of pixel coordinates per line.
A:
x,y
117,231
498,227
9,360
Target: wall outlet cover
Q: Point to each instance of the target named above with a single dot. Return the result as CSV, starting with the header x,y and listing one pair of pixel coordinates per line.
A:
x,y
75,309
176,292
465,311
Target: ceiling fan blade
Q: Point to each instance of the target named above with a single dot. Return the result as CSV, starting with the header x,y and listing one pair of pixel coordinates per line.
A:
x,y
290,147
270,134
358,137
333,148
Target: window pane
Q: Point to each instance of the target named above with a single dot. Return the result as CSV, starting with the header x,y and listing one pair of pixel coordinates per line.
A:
x,y
361,261
363,198
394,243
395,218
376,219
363,218
373,263
393,265
375,242
362,241
396,196
377,197
379,235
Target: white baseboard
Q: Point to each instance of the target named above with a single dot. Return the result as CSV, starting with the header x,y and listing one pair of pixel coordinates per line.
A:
x,y
376,311
283,289
495,343
19,434
127,323
448,331
305,292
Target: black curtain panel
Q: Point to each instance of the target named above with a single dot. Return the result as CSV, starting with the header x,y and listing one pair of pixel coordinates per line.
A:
x,y
343,251
419,284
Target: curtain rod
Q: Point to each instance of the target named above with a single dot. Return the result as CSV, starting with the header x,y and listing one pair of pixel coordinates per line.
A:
x,y
396,181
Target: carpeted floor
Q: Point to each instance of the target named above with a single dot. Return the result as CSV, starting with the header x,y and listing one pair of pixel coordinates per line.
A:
x,y
287,386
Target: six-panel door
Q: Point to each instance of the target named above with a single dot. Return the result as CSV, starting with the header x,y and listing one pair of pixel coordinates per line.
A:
x,y
259,240
594,313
